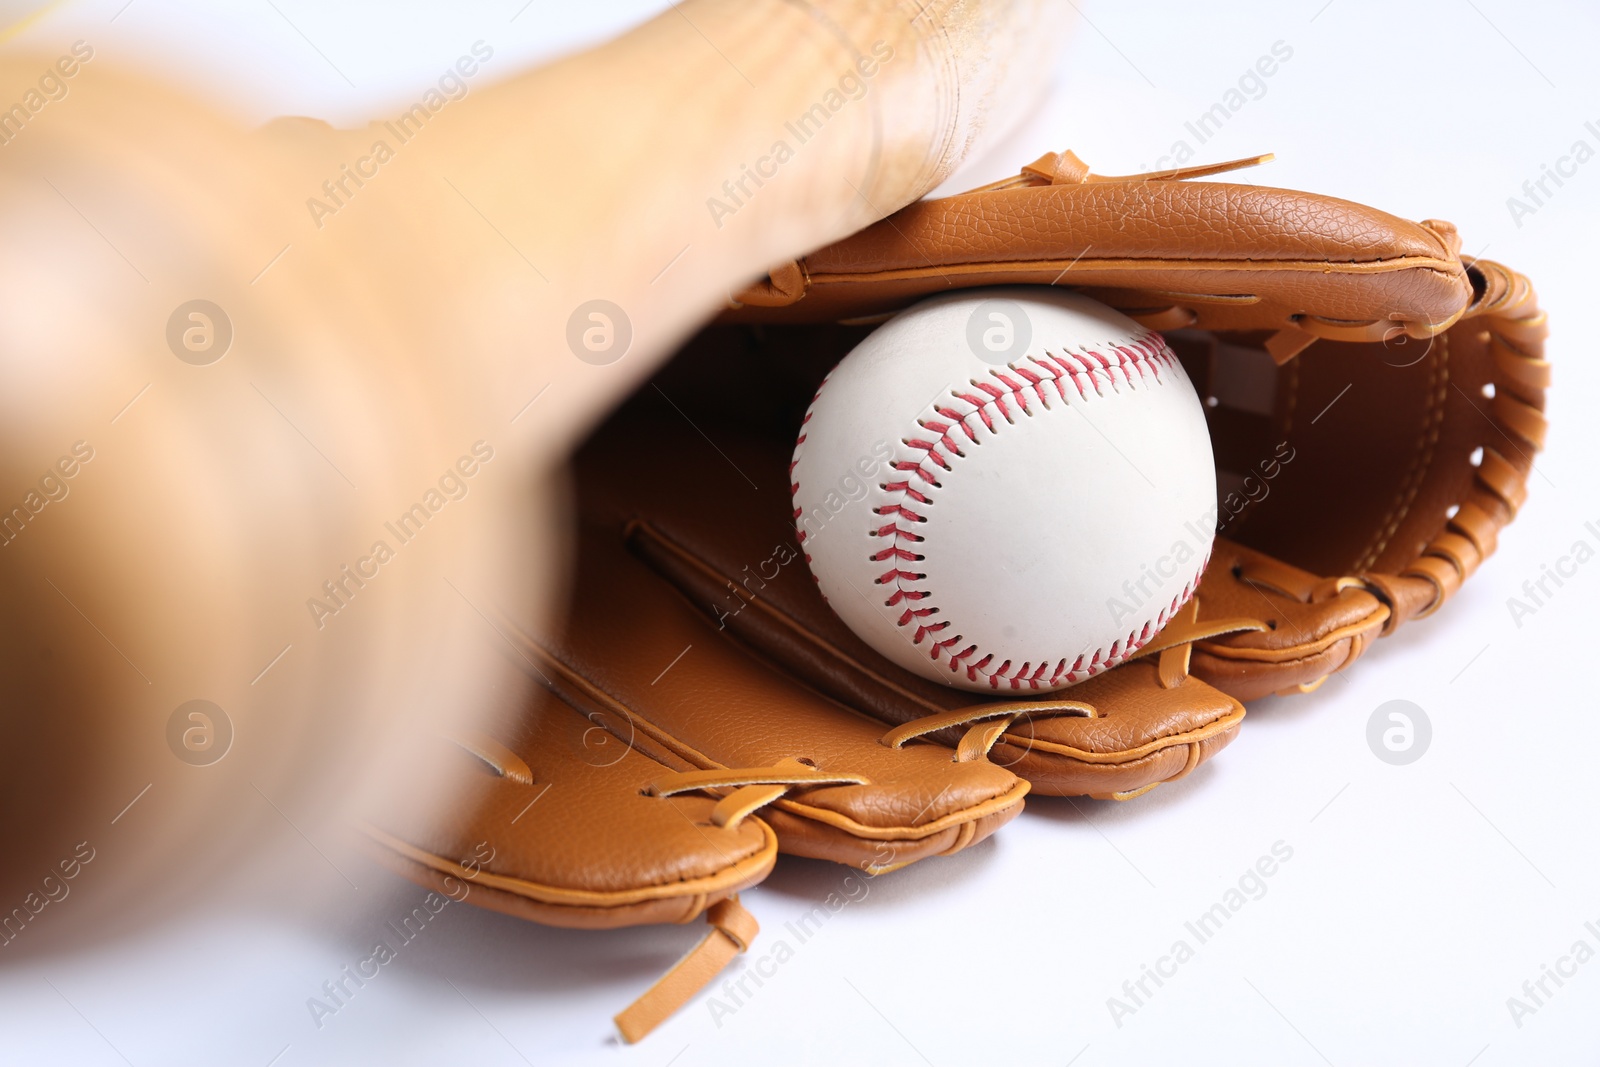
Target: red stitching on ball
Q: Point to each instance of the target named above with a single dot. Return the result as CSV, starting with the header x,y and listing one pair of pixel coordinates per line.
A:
x,y
1007,395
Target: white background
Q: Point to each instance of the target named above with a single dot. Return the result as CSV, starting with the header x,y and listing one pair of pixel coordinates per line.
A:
x,y
1418,898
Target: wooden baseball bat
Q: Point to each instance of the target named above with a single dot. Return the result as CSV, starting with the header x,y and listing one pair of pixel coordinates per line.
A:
x,y
284,411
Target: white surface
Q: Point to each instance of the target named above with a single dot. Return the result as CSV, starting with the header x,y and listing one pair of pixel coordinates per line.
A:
x,y
1057,528
1418,898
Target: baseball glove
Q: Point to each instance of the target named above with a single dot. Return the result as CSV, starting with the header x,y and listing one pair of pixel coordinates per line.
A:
x,y
1374,401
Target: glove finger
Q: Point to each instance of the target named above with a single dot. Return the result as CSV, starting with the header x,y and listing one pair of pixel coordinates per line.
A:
x,y
1362,483
1165,251
669,681
552,821
548,820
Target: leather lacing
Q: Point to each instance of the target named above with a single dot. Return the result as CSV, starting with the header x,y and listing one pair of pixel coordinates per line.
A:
x,y
1515,329
740,792
1268,575
751,788
732,927
732,931
988,723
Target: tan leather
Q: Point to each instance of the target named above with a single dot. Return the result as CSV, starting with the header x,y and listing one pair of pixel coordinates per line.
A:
x,y
578,841
1166,251
732,930
1396,494
662,673
557,822
1348,354
1313,628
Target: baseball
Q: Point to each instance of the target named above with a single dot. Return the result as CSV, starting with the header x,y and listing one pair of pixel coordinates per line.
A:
x,y
1006,489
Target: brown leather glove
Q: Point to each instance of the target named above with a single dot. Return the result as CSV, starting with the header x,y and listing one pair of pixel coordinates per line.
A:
x,y
1375,401
1364,466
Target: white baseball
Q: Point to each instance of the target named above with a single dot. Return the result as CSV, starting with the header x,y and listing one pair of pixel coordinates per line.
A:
x,y
1006,488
